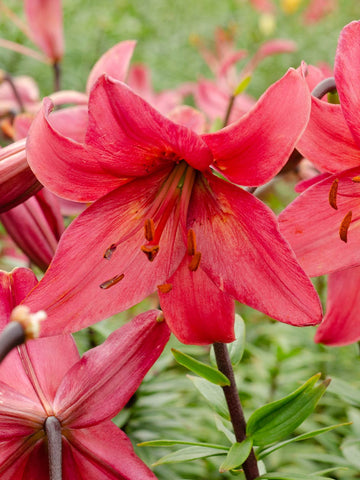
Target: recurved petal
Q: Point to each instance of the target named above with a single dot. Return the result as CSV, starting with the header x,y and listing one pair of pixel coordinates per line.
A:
x,y
115,62
102,382
255,148
126,275
132,138
245,255
105,452
341,324
327,141
75,172
17,180
312,225
45,21
346,68
196,311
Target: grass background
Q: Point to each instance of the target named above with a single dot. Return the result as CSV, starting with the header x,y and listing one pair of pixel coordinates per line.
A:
x,y
278,357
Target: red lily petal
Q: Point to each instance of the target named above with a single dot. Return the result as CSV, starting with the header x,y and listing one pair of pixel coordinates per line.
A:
x,y
189,117
304,184
71,122
313,233
98,386
14,287
118,216
78,174
341,324
255,148
245,255
115,62
105,452
131,138
327,140
346,68
14,455
196,311
17,180
37,466
44,18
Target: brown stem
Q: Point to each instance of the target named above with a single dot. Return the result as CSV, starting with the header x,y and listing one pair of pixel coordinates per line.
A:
x,y
53,432
57,76
8,78
228,111
235,409
12,336
326,86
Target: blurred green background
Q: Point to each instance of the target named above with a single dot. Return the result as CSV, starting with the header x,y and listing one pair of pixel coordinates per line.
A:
x,y
278,357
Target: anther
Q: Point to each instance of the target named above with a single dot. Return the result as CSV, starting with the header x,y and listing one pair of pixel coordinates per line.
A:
x,y
356,179
345,226
165,288
191,242
112,281
149,229
195,262
150,251
110,251
333,193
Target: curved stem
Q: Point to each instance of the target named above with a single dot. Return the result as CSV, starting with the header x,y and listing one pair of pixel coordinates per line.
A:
x,y
326,86
235,409
53,432
57,76
12,336
8,78
228,111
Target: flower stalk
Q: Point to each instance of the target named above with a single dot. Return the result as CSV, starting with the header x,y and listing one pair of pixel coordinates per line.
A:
x,y
53,432
235,409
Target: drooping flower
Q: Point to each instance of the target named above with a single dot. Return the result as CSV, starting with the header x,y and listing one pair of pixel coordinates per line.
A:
x,y
45,379
162,218
322,224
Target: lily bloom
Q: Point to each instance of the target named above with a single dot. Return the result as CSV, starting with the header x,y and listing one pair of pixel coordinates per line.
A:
x,y
322,223
162,218
45,379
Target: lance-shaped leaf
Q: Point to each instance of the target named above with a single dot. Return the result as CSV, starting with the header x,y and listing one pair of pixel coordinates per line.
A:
x,y
237,455
291,476
276,420
213,394
209,373
190,453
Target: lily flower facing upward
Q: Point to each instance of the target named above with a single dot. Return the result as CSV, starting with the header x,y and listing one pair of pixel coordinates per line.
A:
x,y
162,219
44,382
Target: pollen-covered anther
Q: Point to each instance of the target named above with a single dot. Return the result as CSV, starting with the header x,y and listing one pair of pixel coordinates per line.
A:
x,y
110,251
30,322
356,179
112,281
344,227
150,251
333,193
195,262
191,242
149,229
165,288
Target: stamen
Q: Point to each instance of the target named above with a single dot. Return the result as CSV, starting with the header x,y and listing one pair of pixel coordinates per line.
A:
x,y
160,318
333,193
112,281
356,179
191,242
149,228
110,251
195,262
150,251
165,287
345,226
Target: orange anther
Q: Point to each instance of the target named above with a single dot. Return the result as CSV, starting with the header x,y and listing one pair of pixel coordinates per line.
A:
x,y
333,193
165,287
195,262
112,281
191,242
344,227
149,229
150,251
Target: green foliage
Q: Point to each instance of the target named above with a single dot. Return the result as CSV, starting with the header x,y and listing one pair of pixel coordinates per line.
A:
x,y
237,455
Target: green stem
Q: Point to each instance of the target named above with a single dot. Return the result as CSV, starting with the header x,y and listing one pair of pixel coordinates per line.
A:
x,y
235,409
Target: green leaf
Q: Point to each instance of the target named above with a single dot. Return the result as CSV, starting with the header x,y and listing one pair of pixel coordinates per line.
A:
x,y
276,420
168,443
237,455
213,394
205,371
291,476
188,454
242,85
345,391
351,451
299,438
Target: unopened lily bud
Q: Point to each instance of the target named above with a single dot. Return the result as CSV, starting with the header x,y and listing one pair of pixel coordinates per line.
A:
x,y
30,322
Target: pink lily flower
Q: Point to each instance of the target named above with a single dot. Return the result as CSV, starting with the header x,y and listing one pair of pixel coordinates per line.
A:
x,y
45,378
44,18
322,223
162,219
